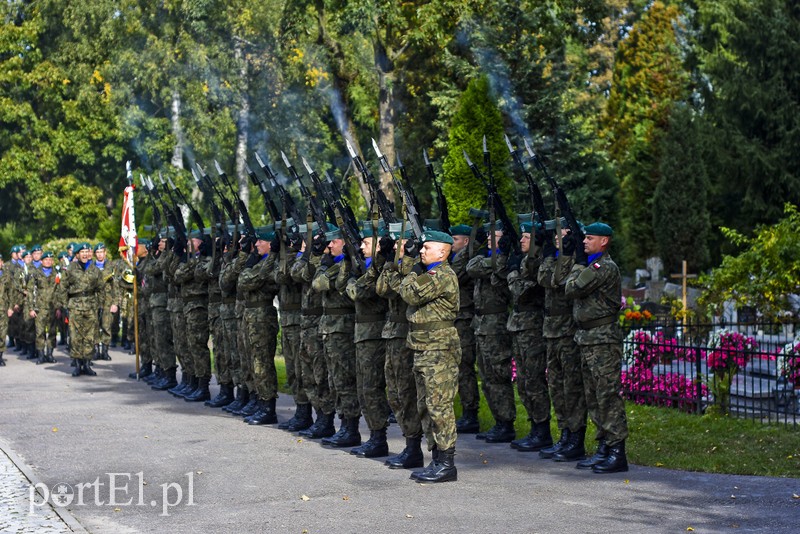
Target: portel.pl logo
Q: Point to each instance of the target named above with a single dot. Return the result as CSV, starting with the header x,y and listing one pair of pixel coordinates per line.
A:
x,y
123,489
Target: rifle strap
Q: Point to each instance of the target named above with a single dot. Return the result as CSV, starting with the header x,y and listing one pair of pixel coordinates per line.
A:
x,y
283,254
473,235
374,233
400,239
492,226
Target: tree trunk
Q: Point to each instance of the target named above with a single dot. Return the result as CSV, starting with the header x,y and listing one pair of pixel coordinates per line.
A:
x,y
242,125
386,79
177,131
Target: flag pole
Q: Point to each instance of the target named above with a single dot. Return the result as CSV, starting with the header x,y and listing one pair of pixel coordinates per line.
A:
x,y
129,224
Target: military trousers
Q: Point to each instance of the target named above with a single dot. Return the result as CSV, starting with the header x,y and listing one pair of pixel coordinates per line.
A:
x,y
494,365
602,366
230,328
530,353
436,376
197,333
105,319
161,337
371,382
261,337
340,355
221,359
565,381
290,345
314,366
245,363
46,329
178,322
401,386
467,377
83,329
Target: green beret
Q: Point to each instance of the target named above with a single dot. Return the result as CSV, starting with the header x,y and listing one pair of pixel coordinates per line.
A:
x,y
333,233
432,224
479,214
461,229
598,228
26,253
366,228
550,224
47,255
72,245
437,237
34,248
303,228
100,246
265,235
15,249
22,247
526,227
63,254
82,246
196,234
144,241
395,228
498,226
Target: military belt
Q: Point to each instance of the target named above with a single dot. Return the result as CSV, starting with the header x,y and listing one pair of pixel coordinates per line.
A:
x,y
594,323
313,311
290,307
433,325
370,318
338,311
553,312
392,318
195,298
491,310
465,309
77,294
229,300
527,307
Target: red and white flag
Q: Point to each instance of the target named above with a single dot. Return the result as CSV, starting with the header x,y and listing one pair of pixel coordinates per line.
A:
x,y
128,231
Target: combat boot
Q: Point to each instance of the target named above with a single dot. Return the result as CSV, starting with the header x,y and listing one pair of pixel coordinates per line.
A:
x,y
39,355
549,452
104,352
349,438
304,419
23,349
615,462
322,427
375,447
10,343
266,415
201,393
242,398
286,424
194,382
183,386
431,466
87,369
538,439
468,422
154,377
503,432
144,366
2,361
598,457
96,353
410,458
168,382
250,408
223,398
148,370
77,365
337,435
31,351
444,470
574,449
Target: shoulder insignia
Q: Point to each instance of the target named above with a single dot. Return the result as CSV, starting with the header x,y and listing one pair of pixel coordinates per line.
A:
x,y
432,272
596,265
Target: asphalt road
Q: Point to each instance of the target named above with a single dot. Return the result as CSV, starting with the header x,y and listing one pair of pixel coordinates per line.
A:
x,y
204,470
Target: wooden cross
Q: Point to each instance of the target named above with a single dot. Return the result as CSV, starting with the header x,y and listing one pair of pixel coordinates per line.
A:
x,y
684,276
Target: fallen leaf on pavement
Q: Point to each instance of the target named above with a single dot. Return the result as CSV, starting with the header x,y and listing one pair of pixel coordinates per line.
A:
x,y
306,498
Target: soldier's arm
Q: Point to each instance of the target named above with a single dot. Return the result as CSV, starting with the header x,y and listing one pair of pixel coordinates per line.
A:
x,y
582,281
545,273
304,269
417,290
479,267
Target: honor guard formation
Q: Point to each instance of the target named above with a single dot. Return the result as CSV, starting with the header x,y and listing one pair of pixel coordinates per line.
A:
x,y
384,318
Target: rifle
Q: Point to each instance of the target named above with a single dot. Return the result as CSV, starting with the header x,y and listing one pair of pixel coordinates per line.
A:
x,y
156,213
495,203
537,202
243,212
385,207
196,218
174,216
311,200
441,200
286,199
562,203
203,185
272,209
409,208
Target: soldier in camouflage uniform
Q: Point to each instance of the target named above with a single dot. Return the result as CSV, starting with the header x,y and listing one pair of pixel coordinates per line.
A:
x,y
41,305
124,274
160,327
337,326
314,366
5,308
370,347
190,274
189,380
493,344
80,290
400,379
431,291
595,287
63,324
467,378
232,312
257,282
290,299
525,324
222,356
564,375
109,302
27,327
13,269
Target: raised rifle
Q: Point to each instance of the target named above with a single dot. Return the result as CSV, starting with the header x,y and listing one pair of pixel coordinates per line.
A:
x,y
287,201
441,200
208,193
385,207
195,216
410,210
312,203
157,222
272,209
242,207
537,202
174,214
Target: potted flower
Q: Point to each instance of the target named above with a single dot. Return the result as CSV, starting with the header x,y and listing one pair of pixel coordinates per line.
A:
x,y
728,352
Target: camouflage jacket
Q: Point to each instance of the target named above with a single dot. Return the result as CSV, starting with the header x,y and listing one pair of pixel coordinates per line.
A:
x,y
42,290
338,310
155,279
257,285
527,296
109,295
19,284
80,288
388,287
5,287
491,296
209,271
433,303
303,272
558,321
596,293
370,308
290,291
171,263
466,285
194,290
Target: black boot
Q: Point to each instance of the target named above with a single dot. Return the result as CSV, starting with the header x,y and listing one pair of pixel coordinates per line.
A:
x,y
303,420
468,422
322,427
74,362
337,435
503,432
2,361
104,352
444,469
431,466
289,422
549,452
77,365
87,369
242,398
250,408
538,439
183,384
615,462
266,414
598,457
30,350
191,387
96,353
24,351
148,366
223,398
392,419
151,373
574,449
375,447
201,393
168,382
410,458
39,354
349,438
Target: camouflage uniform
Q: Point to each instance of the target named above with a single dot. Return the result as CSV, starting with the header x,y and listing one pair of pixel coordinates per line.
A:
x,y
160,326
260,318
312,352
400,380
221,357
107,299
147,345
190,274
12,271
5,305
596,293
175,309
80,290
41,299
232,264
467,379
290,299
493,343
337,326
433,303
370,348
125,297
564,375
24,323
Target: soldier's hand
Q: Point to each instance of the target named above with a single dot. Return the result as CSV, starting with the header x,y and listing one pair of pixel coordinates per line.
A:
x,y
581,257
418,268
411,248
318,245
10,312
58,314
296,242
514,262
326,261
568,243
32,314
247,244
549,248
504,245
114,308
540,236
275,245
252,259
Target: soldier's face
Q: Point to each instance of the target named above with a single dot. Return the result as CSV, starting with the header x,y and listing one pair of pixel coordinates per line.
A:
x,y
196,243
525,242
336,247
37,255
100,254
432,252
593,244
84,255
263,247
47,262
27,259
459,242
366,247
162,245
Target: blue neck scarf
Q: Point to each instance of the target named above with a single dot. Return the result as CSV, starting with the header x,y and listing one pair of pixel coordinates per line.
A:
x,y
595,256
433,265
47,270
368,262
338,258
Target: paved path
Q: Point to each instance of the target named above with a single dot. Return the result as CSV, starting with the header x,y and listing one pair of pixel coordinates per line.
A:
x,y
237,478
